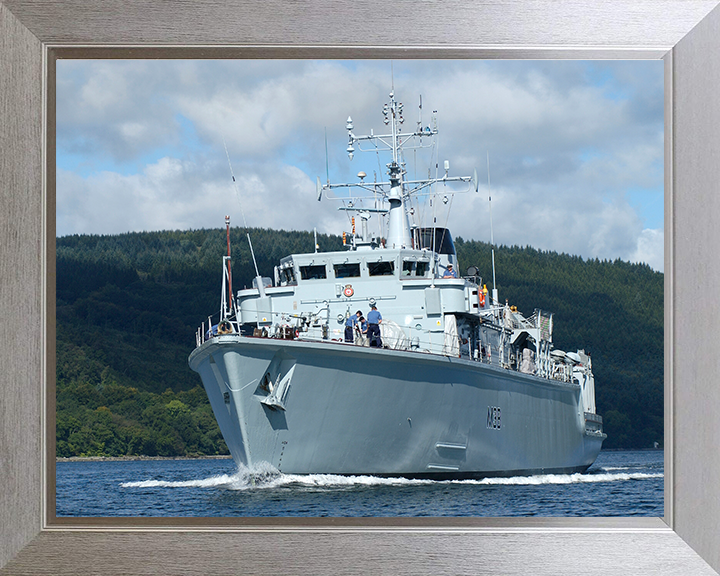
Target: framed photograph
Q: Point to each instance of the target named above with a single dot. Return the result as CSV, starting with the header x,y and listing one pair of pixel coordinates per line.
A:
x,y
681,33
153,154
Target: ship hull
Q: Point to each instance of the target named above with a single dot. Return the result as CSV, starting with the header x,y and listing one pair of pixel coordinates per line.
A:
x,y
331,408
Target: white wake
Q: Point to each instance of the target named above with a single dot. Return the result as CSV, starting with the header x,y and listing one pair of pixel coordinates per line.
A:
x,y
264,476
562,479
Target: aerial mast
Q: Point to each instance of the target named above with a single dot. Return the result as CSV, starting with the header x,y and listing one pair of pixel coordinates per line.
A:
x,y
227,301
398,189
492,240
258,278
227,228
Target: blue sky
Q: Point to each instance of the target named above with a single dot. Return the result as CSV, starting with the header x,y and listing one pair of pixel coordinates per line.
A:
x,y
576,148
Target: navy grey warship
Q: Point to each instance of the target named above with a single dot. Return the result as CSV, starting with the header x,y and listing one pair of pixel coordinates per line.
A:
x,y
462,386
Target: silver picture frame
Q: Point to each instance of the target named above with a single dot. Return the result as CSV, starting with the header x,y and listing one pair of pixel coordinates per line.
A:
x,y
684,33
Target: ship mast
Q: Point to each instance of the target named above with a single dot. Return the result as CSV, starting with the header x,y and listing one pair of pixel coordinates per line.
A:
x,y
398,190
229,270
492,239
398,224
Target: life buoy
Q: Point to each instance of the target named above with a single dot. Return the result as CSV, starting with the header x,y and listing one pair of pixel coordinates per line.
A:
x,y
225,327
481,298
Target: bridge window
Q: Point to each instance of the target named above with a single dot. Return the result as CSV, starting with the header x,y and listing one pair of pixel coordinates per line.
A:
x,y
413,268
437,239
347,270
381,268
313,272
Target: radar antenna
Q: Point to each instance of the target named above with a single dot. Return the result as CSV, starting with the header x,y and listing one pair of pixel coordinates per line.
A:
x,y
397,190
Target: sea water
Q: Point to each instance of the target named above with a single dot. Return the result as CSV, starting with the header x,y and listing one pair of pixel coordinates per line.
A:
x,y
623,483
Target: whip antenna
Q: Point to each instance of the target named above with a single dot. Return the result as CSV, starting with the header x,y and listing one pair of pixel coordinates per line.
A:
x,y
492,240
327,162
261,288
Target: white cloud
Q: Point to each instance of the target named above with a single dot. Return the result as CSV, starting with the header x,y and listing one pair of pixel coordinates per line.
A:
x,y
568,141
650,249
167,195
173,194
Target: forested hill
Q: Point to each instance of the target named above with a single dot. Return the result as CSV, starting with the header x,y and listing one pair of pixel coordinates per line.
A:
x,y
128,307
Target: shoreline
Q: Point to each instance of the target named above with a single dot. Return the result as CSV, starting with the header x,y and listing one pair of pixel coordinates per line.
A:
x,y
228,457
136,458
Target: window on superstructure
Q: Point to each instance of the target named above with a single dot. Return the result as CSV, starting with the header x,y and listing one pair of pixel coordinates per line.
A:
x,y
347,270
416,269
287,276
381,268
313,272
438,239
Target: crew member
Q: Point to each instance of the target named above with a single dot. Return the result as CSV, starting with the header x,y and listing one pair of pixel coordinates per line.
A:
x,y
361,329
350,323
449,272
374,319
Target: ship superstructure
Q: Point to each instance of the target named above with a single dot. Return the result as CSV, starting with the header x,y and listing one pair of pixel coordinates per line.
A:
x,y
462,385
